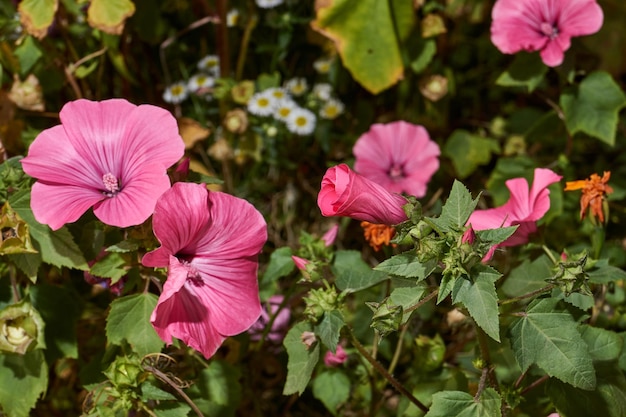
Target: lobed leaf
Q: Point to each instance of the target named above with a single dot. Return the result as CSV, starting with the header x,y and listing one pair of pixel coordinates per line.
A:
x,y
329,329
527,70
23,379
468,151
457,209
352,273
462,404
301,362
407,265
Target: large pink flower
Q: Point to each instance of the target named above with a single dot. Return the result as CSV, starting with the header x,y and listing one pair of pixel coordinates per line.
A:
x,y
110,155
346,193
209,242
399,156
524,207
543,25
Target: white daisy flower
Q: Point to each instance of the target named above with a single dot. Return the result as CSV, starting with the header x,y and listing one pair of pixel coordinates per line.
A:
x,y
284,108
331,109
268,4
262,104
301,121
322,65
210,64
176,93
297,86
232,18
200,82
277,93
322,91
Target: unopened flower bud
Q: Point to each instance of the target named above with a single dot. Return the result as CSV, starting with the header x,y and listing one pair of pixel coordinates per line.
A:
x,y
469,236
21,328
236,121
125,372
14,233
308,338
387,316
333,360
434,87
27,94
319,301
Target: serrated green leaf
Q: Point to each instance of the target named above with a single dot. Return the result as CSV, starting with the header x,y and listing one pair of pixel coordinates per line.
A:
x,y
495,236
604,345
171,409
445,287
462,404
112,265
372,57
56,247
129,319
426,50
28,263
23,379
479,296
549,338
526,70
329,329
603,273
468,151
332,388
217,391
352,273
528,276
457,209
301,362
407,265
280,265
124,246
607,400
60,309
594,106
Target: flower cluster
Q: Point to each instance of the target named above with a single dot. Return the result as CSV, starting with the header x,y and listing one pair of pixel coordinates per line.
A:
x,y
200,84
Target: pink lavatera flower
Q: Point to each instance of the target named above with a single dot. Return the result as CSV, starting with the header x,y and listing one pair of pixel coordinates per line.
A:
x,y
400,156
525,206
110,155
209,242
543,25
333,360
346,193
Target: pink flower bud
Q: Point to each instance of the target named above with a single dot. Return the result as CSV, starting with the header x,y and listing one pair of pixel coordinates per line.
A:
x,y
334,360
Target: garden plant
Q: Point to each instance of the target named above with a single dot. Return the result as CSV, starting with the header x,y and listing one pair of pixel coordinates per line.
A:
x,y
312,208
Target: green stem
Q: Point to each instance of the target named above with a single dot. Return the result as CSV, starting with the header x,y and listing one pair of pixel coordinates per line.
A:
x,y
486,357
422,301
528,295
549,253
243,48
398,351
163,377
394,382
14,287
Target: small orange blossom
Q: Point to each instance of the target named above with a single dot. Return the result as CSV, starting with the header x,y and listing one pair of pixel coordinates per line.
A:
x,y
377,234
594,189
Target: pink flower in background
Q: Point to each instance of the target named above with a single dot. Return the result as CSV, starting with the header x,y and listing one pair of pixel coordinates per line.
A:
x,y
301,263
346,193
543,25
331,235
280,324
525,206
110,155
336,359
399,156
209,242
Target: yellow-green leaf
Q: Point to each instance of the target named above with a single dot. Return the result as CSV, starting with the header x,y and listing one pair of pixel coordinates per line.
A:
x,y
109,15
364,35
37,15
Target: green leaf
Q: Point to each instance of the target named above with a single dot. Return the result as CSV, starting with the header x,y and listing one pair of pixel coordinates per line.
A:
x,y
407,297
458,208
527,70
332,388
603,273
28,53
109,15
607,400
407,265
479,296
56,247
28,263
352,273
124,246
129,319
112,265
329,329
60,310
301,362
495,236
373,57
149,391
280,265
468,151
593,107
217,391
171,409
549,338
426,50
23,379
37,15
528,276
462,404
604,345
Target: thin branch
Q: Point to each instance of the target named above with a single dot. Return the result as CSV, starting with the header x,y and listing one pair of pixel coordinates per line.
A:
x,y
528,295
172,384
394,382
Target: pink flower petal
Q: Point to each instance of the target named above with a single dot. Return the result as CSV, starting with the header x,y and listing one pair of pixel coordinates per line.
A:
x,y
301,263
57,205
330,236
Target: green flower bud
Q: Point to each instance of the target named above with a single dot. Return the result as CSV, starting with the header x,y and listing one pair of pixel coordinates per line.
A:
x,y
319,301
125,372
15,235
571,276
430,352
387,316
21,328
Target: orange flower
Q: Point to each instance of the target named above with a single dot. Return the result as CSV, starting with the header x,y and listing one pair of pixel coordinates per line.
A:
x,y
377,234
594,190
